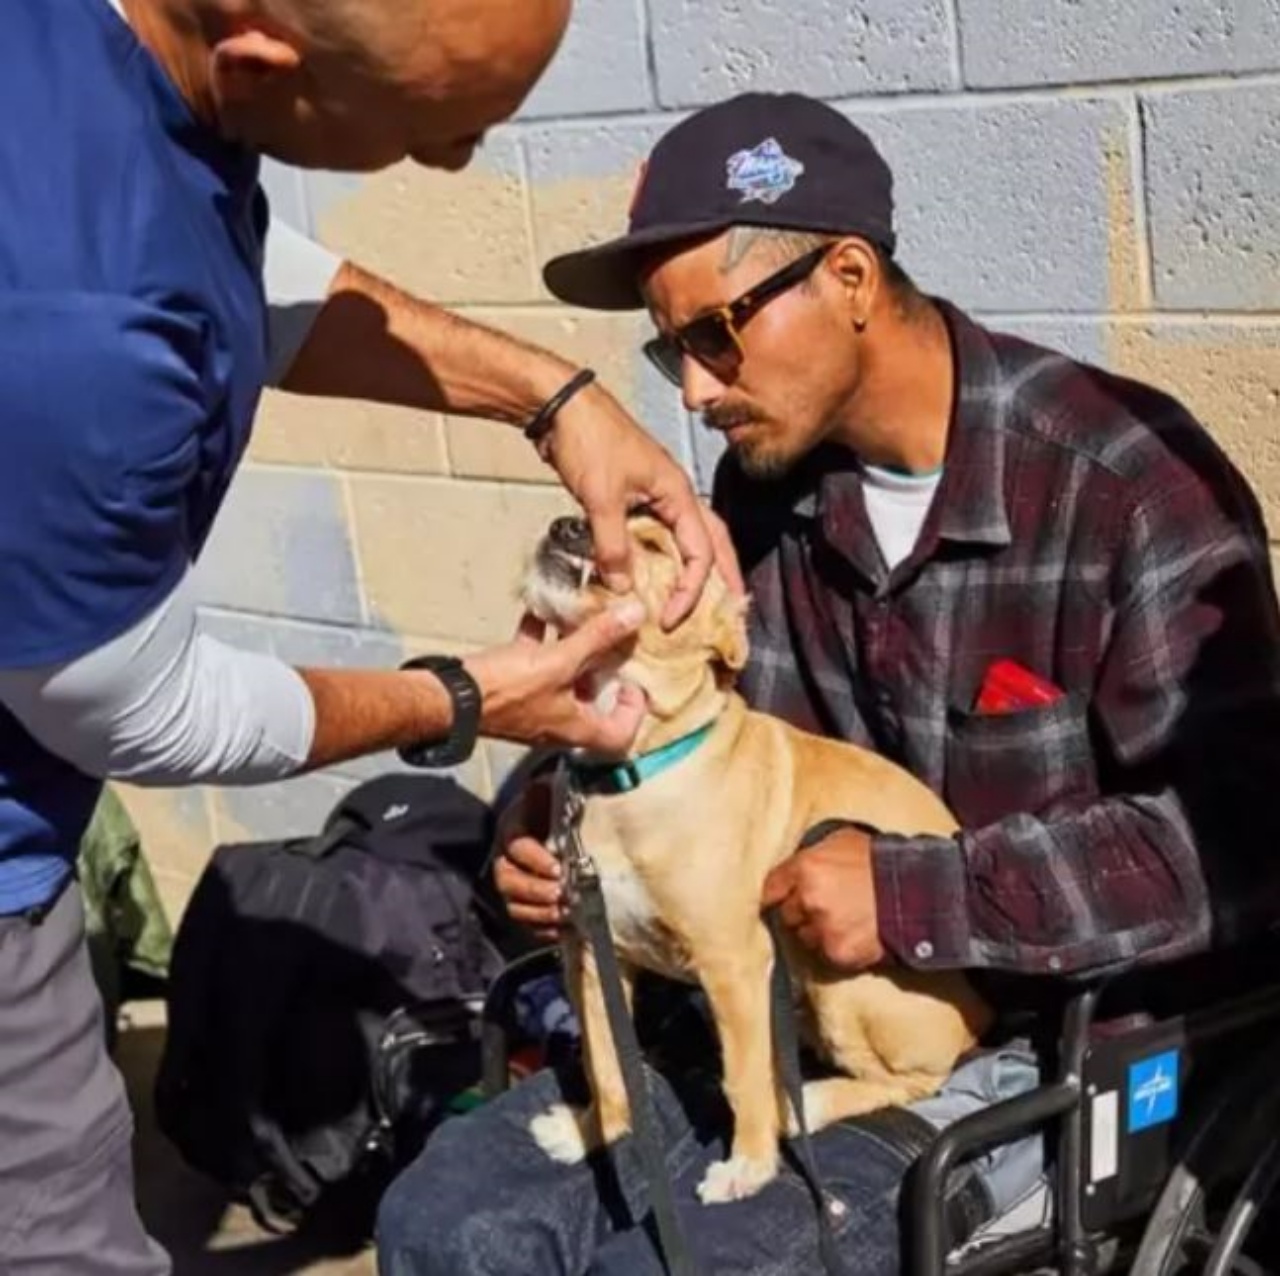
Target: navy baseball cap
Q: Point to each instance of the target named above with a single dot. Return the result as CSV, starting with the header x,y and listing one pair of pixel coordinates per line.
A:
x,y
761,159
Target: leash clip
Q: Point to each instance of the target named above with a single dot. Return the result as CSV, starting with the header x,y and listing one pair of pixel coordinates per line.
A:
x,y
580,868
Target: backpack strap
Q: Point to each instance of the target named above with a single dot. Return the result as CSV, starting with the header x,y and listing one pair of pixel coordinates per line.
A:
x,y
343,830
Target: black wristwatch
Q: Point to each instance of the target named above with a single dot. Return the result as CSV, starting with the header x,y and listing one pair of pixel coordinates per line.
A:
x,y
460,743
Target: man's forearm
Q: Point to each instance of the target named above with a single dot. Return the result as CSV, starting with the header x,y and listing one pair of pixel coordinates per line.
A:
x,y
1117,880
373,341
370,711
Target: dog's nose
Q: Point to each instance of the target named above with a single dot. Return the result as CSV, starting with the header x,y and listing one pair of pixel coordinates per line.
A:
x,y
572,535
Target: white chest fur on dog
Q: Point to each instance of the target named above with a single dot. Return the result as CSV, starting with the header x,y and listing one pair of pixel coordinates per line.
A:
x,y
637,931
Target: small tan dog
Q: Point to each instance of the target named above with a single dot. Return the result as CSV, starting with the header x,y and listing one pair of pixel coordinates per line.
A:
x,y
683,858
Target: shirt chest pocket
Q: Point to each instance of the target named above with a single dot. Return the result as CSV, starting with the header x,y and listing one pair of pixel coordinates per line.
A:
x,y
1031,762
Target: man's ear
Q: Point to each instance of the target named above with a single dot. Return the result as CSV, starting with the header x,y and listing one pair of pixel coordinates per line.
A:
x,y
855,264
729,633
247,62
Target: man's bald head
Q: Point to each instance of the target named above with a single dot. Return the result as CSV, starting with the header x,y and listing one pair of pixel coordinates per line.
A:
x,y
360,84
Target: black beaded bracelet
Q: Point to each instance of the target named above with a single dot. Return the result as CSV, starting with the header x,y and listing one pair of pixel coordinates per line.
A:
x,y
540,426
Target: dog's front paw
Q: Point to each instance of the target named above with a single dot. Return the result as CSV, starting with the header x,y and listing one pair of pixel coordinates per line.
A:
x,y
559,1133
735,1179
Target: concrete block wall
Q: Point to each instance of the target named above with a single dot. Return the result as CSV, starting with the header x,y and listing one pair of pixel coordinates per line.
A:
x,y
1102,177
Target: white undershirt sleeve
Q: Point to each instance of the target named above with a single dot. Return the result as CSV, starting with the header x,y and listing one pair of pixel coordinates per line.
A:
x,y
164,704
297,274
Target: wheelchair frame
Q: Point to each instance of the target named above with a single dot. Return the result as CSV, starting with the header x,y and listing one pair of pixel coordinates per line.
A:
x,y
1071,1244
1147,1222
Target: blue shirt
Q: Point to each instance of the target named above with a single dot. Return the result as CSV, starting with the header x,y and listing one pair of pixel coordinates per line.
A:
x,y
133,349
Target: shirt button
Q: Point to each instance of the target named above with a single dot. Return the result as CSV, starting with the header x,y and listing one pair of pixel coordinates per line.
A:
x,y
924,950
1055,963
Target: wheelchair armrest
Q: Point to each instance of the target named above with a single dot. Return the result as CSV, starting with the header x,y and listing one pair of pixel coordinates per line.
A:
x,y
495,1030
1002,1123
1200,999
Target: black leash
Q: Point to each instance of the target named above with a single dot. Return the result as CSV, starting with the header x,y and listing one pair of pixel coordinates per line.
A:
x,y
786,1049
592,920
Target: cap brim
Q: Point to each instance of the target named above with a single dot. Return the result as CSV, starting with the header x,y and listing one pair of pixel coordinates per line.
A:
x,y
607,277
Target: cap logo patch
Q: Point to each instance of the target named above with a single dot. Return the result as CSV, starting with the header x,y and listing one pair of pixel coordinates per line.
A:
x,y
764,173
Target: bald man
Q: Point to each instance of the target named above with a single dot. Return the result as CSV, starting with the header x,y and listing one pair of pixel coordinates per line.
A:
x,y
136,343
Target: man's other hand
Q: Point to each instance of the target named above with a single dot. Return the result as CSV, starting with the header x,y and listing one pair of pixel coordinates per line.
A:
x,y
827,899
526,874
611,465
539,692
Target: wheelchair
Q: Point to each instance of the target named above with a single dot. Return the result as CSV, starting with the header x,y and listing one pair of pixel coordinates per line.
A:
x,y
1161,1119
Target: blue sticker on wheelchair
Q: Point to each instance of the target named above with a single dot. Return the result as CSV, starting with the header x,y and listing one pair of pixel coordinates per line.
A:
x,y
1153,1091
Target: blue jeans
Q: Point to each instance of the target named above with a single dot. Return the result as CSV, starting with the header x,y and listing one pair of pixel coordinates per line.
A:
x,y
484,1200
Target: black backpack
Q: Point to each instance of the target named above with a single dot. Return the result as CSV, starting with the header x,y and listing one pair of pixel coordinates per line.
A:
x,y
325,995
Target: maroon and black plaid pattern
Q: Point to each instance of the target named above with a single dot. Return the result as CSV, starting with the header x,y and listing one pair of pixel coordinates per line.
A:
x,y
1088,528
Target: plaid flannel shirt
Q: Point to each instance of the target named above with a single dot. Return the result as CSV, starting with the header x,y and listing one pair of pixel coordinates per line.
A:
x,y
1088,528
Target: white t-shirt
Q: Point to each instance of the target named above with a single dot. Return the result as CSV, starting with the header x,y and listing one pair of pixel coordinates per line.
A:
x,y
897,504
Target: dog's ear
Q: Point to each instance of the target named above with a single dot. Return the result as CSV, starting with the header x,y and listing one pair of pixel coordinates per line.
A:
x,y
729,633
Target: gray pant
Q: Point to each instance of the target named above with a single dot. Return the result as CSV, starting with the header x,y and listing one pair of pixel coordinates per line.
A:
x,y
66,1174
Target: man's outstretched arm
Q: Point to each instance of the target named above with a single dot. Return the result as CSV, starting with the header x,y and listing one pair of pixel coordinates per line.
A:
x,y
371,340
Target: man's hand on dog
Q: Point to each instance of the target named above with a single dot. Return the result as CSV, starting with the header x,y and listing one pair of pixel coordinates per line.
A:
x,y
827,898
612,465
526,874
826,893
537,692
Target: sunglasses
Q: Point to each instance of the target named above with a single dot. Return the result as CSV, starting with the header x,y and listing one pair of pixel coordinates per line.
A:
x,y
713,339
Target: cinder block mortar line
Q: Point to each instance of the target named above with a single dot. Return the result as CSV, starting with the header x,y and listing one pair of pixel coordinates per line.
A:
x,y
446,442
353,541
397,476
969,96
292,471
1141,203
650,51
478,482
530,236
330,627
957,43
210,818
304,202
1132,318
213,807
522,309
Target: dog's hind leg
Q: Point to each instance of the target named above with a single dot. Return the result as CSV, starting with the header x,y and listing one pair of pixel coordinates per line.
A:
x,y
567,1134
736,982
837,1098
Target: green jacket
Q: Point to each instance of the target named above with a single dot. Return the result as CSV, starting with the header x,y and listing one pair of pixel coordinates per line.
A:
x,y
125,919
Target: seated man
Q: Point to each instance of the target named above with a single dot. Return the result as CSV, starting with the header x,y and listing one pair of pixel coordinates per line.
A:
x,y
914,498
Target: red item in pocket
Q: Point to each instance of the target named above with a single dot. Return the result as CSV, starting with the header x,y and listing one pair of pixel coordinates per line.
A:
x,y
1008,688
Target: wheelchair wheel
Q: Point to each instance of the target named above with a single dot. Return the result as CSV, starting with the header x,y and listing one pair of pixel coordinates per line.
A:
x,y
1213,1201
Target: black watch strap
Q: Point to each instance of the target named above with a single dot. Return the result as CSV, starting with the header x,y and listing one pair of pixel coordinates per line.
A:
x,y
464,694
